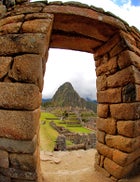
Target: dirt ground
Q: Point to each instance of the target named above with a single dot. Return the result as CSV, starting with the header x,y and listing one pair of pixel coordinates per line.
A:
x,y
72,166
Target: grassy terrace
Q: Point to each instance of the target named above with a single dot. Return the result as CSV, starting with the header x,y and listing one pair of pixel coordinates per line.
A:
x,y
48,135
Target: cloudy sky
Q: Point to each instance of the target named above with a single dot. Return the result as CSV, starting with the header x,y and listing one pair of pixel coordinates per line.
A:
x,y
78,67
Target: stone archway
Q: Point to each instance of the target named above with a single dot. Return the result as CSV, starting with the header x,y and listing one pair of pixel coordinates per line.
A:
x,y
27,30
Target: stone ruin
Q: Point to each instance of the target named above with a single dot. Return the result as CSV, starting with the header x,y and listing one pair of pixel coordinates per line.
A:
x,y
80,141
27,31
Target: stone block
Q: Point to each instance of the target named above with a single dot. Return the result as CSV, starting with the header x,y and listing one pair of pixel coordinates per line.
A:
x,y
32,43
125,111
126,128
97,158
104,150
137,92
11,19
19,125
18,146
122,143
3,11
121,78
101,60
19,96
136,75
10,28
18,174
103,110
108,46
4,160
137,128
28,68
118,48
108,125
129,93
109,96
107,68
37,25
4,178
100,136
38,16
124,159
23,162
5,63
101,83
116,170
127,58
102,170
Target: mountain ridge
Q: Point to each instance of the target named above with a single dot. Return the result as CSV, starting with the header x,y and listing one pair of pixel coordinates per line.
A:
x,y
66,96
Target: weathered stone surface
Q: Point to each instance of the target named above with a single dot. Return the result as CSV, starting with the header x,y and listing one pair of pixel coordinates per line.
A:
x,y
4,178
125,111
4,160
101,60
28,8
116,170
11,19
10,28
121,78
137,128
18,146
38,16
29,43
102,170
107,46
2,10
19,125
129,93
136,73
19,96
37,25
23,162
103,110
5,63
108,125
108,68
124,159
109,96
104,150
101,83
100,136
127,58
18,174
137,92
28,68
122,143
126,128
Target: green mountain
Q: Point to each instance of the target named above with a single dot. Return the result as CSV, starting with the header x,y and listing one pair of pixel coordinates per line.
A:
x,y
67,96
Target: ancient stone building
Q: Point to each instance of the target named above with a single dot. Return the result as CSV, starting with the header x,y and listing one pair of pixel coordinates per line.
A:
x,y
27,31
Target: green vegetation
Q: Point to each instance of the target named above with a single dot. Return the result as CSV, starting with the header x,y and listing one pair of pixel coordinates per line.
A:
x,y
48,135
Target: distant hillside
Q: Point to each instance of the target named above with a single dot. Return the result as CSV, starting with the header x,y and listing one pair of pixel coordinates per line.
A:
x,y
67,96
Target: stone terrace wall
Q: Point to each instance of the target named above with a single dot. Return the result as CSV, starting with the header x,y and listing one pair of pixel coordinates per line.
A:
x,y
26,32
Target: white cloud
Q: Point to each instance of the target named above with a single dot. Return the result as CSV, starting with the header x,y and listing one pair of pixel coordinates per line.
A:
x,y
78,67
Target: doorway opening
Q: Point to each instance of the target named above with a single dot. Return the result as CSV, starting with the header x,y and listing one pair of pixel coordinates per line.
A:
x,y
68,99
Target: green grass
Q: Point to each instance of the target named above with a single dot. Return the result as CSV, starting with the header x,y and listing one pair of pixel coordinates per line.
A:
x,y
48,135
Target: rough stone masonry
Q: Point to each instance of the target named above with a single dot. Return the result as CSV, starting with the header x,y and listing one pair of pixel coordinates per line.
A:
x,y
27,31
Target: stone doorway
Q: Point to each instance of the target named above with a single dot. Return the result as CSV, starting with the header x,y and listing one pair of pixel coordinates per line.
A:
x,y
27,30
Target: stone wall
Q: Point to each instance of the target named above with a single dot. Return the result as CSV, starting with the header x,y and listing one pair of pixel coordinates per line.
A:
x,y
27,30
87,140
24,42
118,84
